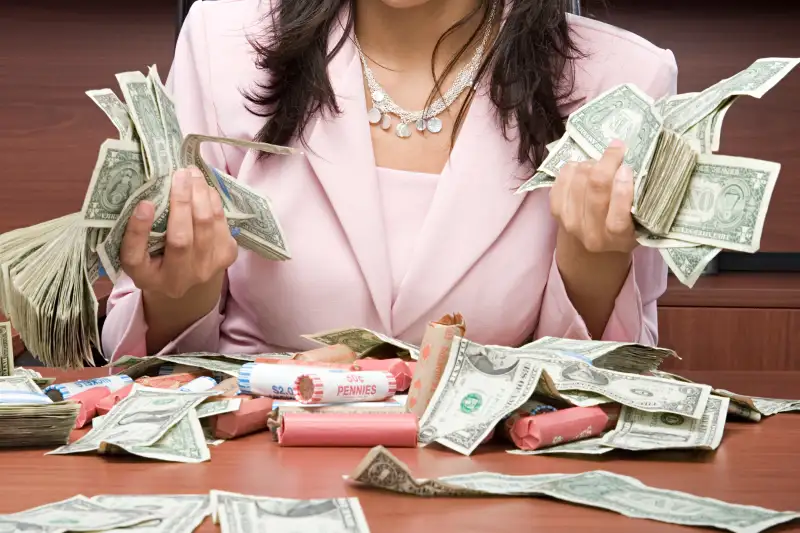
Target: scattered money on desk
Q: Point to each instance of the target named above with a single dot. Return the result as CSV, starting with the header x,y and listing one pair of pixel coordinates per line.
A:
x,y
598,488
688,202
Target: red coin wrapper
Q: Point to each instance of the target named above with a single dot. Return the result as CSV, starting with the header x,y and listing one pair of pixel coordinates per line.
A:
x,y
88,400
533,432
106,404
396,367
352,430
250,418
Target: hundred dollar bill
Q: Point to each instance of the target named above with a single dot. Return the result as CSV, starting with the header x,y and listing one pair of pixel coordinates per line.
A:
x,y
640,392
218,407
623,112
119,172
141,419
78,513
605,490
180,513
184,442
639,430
240,513
142,106
115,110
155,190
169,118
579,447
726,203
754,81
473,395
360,340
6,350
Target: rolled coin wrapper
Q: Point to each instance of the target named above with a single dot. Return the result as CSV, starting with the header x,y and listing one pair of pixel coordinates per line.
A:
x,y
313,364
63,391
274,381
201,384
106,404
433,355
566,425
337,353
355,430
344,387
88,401
169,381
8,397
529,408
396,367
250,418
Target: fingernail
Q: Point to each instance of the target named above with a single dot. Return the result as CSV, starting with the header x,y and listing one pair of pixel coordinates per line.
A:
x,y
142,210
235,232
616,143
195,172
624,174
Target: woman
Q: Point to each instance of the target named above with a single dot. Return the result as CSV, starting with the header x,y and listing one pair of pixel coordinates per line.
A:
x,y
390,227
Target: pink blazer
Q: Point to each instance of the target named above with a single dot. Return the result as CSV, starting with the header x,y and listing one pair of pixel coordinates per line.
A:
x,y
482,251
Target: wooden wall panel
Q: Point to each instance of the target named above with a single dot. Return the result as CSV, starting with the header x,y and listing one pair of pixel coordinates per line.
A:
x,y
713,338
713,40
53,52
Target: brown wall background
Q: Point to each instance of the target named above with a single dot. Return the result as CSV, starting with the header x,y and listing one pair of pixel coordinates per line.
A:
x,y
53,51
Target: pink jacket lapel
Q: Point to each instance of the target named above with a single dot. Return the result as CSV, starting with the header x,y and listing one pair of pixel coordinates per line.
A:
x,y
340,153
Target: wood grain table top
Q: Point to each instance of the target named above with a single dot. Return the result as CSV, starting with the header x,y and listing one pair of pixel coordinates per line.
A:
x,y
757,464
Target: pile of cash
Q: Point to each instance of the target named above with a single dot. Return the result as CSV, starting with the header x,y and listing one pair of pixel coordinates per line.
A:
x,y
183,513
48,270
598,488
688,203
29,418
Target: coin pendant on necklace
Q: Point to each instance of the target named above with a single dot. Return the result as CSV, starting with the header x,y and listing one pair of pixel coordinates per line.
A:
x,y
386,122
403,131
374,115
420,124
434,125
377,96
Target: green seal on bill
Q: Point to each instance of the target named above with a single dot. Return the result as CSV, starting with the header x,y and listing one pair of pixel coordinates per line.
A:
x,y
471,403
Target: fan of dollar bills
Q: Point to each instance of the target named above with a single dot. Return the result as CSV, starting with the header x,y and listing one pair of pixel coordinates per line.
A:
x,y
47,270
688,203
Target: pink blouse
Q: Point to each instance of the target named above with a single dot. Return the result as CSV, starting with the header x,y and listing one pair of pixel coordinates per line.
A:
x,y
385,249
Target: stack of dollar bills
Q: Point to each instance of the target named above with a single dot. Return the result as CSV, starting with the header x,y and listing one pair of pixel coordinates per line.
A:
x,y
47,270
29,418
688,202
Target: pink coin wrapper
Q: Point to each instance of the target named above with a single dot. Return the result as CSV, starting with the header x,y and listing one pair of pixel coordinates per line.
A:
x,y
396,367
344,387
338,353
88,400
354,430
250,418
533,432
106,404
168,381
299,362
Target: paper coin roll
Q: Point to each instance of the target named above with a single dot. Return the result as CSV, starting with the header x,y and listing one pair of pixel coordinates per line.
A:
x,y
357,430
201,384
274,381
63,391
344,387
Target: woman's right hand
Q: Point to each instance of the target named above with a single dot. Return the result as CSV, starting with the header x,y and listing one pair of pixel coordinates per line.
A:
x,y
199,244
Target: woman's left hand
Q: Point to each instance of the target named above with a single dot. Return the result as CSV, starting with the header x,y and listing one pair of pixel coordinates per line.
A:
x,y
592,202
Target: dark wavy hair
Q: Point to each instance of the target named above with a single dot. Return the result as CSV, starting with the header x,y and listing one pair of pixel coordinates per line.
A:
x,y
528,64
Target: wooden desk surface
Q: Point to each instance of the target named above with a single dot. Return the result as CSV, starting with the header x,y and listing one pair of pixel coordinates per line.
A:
x,y
756,464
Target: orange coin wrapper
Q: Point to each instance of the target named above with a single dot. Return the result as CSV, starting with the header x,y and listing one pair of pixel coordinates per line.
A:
x,y
250,418
344,387
337,353
228,388
354,430
275,381
433,356
533,432
88,401
396,367
168,381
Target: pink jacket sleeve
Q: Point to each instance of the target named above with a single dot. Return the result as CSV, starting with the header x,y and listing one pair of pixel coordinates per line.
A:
x,y
634,318
125,327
